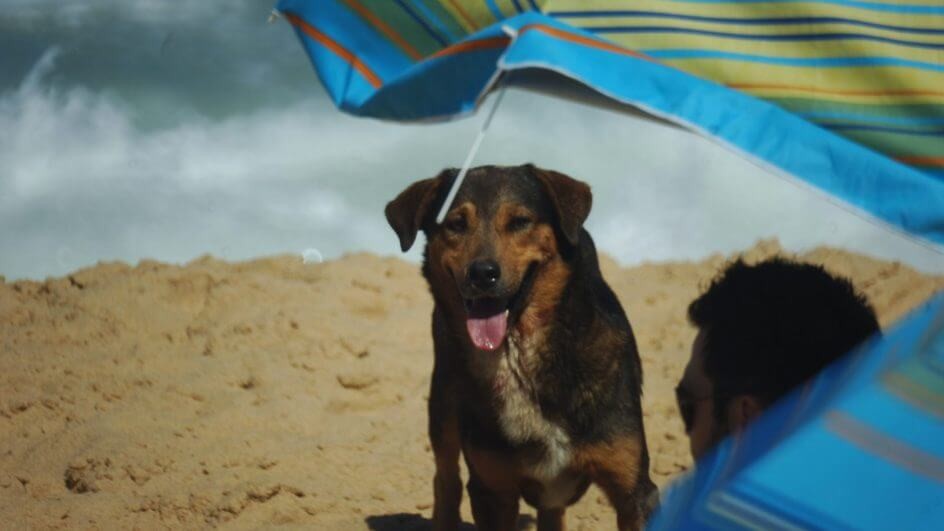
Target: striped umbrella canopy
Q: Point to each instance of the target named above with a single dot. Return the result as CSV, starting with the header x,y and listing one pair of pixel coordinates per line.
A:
x,y
861,446
846,95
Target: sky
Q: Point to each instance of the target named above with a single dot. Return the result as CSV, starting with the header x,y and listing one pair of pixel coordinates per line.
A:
x,y
135,129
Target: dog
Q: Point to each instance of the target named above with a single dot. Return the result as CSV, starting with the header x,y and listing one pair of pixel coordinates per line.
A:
x,y
536,377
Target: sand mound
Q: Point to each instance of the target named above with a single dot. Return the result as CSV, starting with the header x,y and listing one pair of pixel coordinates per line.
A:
x,y
272,393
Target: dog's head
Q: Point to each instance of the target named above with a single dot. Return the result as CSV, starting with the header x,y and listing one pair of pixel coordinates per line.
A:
x,y
499,249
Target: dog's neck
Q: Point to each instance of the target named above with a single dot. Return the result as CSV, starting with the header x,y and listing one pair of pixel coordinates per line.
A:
x,y
560,294
566,288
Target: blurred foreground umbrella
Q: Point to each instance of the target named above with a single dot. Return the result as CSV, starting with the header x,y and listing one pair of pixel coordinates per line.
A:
x,y
861,446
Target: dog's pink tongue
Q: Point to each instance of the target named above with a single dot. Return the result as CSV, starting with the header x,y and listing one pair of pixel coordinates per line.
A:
x,y
487,333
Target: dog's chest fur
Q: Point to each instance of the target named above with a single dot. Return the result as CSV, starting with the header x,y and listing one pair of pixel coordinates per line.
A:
x,y
548,451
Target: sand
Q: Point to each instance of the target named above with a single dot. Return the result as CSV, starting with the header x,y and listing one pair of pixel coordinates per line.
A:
x,y
275,393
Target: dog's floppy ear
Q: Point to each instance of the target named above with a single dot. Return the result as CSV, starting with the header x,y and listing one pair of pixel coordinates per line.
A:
x,y
571,198
407,212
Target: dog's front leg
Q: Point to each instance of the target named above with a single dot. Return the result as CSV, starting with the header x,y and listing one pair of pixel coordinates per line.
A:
x,y
447,484
620,468
628,514
633,498
444,428
444,440
492,510
551,519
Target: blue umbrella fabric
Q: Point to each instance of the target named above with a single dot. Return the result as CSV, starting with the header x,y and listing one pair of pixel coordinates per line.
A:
x,y
410,60
861,446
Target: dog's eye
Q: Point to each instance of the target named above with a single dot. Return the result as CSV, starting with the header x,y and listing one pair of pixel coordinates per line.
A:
x,y
457,224
518,223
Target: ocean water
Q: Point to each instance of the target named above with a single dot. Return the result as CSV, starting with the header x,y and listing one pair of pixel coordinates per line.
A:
x,y
149,129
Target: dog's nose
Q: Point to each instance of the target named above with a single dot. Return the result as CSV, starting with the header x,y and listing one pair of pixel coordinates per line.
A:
x,y
484,274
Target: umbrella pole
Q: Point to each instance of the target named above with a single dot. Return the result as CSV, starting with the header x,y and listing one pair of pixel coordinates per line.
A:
x,y
472,151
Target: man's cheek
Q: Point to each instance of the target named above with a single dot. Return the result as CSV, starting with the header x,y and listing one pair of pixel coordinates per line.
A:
x,y
705,431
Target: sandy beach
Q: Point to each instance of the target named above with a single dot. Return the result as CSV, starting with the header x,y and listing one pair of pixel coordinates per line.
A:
x,y
275,393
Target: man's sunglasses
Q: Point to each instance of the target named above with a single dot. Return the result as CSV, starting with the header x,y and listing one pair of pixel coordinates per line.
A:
x,y
686,401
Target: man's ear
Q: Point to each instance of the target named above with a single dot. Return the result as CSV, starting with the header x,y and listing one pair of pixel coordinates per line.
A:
x,y
742,410
571,199
409,210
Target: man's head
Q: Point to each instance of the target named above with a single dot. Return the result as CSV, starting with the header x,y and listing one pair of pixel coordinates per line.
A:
x,y
762,330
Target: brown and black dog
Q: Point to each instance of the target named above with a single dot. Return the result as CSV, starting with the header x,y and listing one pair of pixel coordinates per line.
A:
x,y
536,378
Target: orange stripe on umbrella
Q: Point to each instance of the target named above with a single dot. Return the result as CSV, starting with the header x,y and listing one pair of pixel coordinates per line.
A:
x,y
471,46
328,43
937,162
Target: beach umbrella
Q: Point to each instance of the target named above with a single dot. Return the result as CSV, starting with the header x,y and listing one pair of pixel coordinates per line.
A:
x,y
860,446
844,95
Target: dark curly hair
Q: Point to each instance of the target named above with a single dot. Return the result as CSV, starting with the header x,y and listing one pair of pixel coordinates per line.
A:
x,y
769,327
